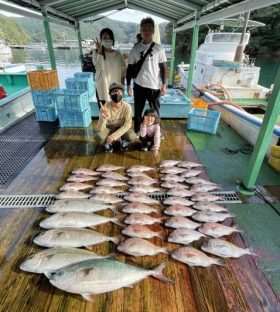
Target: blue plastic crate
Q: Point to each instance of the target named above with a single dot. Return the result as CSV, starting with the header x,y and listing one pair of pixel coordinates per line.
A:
x,y
72,100
44,113
43,98
84,75
81,84
204,120
74,119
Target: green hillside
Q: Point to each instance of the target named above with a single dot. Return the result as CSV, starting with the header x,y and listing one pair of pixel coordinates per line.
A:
x,y
11,32
124,32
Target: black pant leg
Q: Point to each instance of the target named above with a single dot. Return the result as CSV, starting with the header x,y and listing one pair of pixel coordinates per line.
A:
x,y
98,101
154,100
140,96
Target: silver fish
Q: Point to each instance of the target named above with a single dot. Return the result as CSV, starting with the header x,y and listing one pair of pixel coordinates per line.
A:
x,y
99,276
138,207
83,205
210,216
76,220
190,173
142,181
75,186
105,190
81,178
196,180
72,237
193,257
189,164
141,198
169,163
180,192
179,210
209,206
110,182
173,200
172,170
114,175
53,259
106,198
140,168
172,178
204,187
85,171
145,189
184,236
217,230
139,175
224,249
140,247
109,167
141,231
181,222
170,185
71,195
204,197
141,218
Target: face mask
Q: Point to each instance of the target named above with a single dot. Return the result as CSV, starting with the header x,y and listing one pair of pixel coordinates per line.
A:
x,y
116,97
107,43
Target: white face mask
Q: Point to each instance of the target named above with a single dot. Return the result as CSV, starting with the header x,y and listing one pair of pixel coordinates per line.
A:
x,y
107,43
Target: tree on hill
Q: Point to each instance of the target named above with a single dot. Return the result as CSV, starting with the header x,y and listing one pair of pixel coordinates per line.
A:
x,y
11,32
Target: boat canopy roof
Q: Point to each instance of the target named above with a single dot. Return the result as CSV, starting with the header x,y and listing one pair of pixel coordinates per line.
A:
x,y
183,13
237,23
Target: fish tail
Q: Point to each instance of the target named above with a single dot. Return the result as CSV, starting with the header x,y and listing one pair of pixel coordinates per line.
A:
x,y
114,209
250,251
157,273
117,219
160,234
236,228
116,239
220,262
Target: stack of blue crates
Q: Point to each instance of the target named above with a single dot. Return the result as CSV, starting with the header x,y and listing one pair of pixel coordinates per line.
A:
x,y
45,105
73,102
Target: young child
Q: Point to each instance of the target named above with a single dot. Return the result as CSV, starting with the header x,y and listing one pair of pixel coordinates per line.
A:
x,y
150,130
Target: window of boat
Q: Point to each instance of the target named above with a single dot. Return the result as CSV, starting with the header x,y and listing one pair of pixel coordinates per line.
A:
x,y
226,37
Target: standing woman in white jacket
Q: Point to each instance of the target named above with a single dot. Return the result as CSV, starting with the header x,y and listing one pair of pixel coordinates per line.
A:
x,y
109,65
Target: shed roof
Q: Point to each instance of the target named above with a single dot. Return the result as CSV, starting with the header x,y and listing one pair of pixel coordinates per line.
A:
x,y
184,13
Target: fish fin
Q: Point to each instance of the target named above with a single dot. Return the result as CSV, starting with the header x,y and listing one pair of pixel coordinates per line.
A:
x,y
221,262
92,227
157,273
87,297
111,255
117,219
114,209
88,247
48,274
129,286
250,251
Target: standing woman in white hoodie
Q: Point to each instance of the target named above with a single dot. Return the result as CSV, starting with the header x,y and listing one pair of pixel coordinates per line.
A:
x,y
109,65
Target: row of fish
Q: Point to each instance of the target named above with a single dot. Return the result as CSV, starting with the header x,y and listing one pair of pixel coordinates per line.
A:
x,y
65,264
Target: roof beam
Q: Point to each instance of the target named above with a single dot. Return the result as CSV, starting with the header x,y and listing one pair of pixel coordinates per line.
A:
x,y
204,9
153,11
35,4
235,9
99,4
51,2
113,7
32,13
186,4
87,6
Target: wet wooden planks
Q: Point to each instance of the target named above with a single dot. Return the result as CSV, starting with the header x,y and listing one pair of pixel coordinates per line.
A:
x,y
238,286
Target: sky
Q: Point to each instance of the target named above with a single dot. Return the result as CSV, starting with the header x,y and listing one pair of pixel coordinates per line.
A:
x,y
126,15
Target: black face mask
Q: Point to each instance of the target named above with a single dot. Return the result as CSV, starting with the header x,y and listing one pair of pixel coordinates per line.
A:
x,y
116,97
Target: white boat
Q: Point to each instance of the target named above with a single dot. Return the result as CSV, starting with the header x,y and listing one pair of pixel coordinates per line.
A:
x,y
13,68
215,71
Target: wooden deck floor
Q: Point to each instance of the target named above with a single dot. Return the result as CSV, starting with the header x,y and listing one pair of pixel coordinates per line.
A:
x,y
239,286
